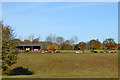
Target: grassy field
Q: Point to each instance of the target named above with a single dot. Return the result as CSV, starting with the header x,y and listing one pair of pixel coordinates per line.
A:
x,y
68,65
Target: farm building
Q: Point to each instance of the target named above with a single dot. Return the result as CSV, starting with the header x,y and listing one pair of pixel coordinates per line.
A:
x,y
29,47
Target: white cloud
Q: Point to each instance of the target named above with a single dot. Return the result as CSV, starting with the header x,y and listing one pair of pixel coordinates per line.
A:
x,y
21,8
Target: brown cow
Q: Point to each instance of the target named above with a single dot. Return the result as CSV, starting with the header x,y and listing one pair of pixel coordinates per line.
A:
x,y
106,51
81,51
56,51
50,51
113,52
101,52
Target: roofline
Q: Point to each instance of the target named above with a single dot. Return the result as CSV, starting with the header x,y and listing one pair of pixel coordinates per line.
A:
x,y
29,45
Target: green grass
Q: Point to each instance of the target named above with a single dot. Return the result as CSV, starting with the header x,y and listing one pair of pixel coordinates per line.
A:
x,y
71,65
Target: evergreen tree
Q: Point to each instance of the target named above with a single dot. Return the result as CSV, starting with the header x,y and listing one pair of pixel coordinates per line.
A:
x,y
9,51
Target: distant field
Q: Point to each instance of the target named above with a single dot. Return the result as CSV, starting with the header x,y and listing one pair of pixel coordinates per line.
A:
x,y
72,65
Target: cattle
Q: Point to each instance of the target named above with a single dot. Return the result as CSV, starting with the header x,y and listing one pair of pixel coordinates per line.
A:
x,y
81,51
106,51
42,51
77,52
101,52
46,52
50,51
93,51
56,51
113,52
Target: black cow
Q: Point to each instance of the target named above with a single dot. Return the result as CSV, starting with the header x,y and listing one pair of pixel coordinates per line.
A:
x,y
94,51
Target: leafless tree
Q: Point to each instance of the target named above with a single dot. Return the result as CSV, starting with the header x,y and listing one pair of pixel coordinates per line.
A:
x,y
31,37
73,40
51,38
59,40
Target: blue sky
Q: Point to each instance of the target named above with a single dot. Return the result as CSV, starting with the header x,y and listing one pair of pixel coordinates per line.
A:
x,y
86,20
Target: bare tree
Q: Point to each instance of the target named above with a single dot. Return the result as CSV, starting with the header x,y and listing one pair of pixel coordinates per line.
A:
x,y
31,37
39,37
51,38
73,40
59,40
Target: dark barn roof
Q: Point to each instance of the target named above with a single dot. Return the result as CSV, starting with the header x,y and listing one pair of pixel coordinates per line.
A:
x,y
29,45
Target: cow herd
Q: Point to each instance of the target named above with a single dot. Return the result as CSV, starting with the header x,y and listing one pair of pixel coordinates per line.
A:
x,y
80,51
48,51
92,51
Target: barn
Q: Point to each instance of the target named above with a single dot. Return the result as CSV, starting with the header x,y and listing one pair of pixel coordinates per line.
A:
x,y
29,47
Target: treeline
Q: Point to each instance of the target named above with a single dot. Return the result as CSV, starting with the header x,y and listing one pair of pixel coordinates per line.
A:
x,y
52,43
9,43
